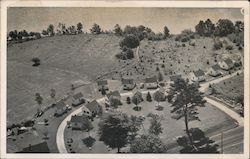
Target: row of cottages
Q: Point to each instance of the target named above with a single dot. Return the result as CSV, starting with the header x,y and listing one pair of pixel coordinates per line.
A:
x,y
102,84
92,109
151,83
79,122
113,95
128,84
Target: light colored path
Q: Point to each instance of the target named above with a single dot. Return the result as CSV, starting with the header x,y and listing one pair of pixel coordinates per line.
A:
x,y
60,131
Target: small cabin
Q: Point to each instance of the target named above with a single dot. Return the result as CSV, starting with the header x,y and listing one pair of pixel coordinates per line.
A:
x,y
226,64
128,84
102,84
92,109
60,108
198,76
214,70
151,83
78,99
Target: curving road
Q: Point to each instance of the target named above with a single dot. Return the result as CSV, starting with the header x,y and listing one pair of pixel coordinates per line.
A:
x,y
60,131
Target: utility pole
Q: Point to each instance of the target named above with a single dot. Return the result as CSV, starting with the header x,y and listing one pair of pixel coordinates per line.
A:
x,y
221,142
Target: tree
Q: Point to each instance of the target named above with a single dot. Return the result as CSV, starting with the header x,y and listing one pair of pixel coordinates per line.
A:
x,y
50,30
130,41
224,27
239,27
114,102
166,32
39,100
118,30
202,144
114,129
87,126
45,32
79,27
200,27
149,143
37,35
158,97
149,98
209,28
136,99
129,53
155,124
95,29
13,34
36,61
24,33
185,98
128,100
103,90
72,29
135,124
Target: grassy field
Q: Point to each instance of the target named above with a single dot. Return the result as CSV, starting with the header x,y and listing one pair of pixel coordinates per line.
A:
x,y
85,57
213,121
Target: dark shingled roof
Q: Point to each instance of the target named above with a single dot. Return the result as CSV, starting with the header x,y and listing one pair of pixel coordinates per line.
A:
x,y
228,61
39,148
78,119
102,82
78,95
127,81
93,106
216,67
60,104
175,77
151,79
199,73
114,93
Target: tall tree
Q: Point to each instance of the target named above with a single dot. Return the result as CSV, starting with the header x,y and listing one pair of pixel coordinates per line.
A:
x,y
114,129
239,26
50,30
79,27
53,95
166,32
118,31
95,29
136,99
224,27
149,143
155,124
185,99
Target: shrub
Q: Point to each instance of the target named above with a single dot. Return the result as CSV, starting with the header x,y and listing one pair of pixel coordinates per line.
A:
x,y
229,47
36,61
218,45
130,41
149,98
183,45
128,100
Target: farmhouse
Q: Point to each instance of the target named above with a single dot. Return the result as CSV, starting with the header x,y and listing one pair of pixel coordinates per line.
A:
x,y
92,109
102,84
38,148
214,70
112,95
226,64
60,108
78,122
128,84
198,76
78,99
151,82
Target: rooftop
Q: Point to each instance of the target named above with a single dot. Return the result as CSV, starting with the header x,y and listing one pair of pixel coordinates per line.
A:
x,y
93,106
199,73
151,79
102,82
78,95
127,81
216,67
113,93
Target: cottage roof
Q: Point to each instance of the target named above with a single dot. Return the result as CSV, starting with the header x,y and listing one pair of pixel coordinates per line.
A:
x,y
127,81
199,73
102,82
113,93
78,119
93,106
38,148
60,104
175,77
228,61
78,95
151,79
216,67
